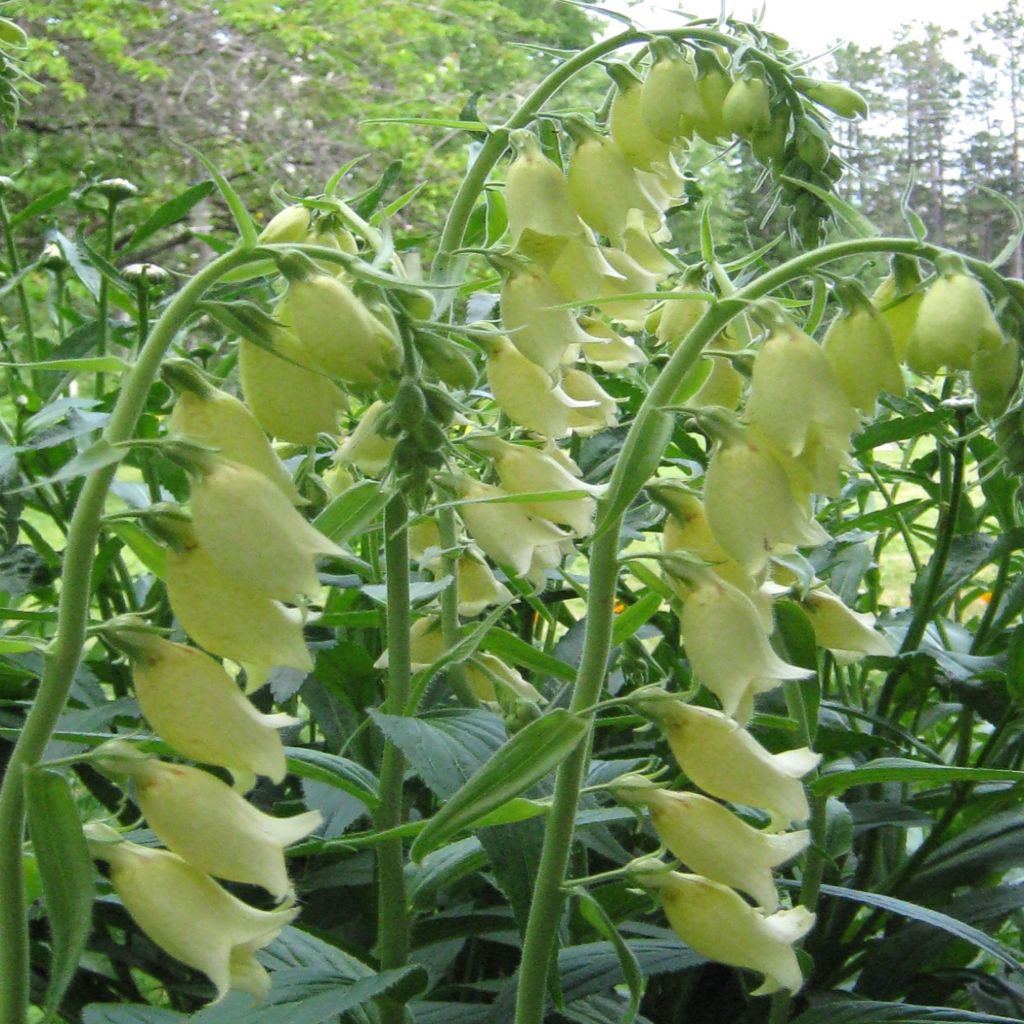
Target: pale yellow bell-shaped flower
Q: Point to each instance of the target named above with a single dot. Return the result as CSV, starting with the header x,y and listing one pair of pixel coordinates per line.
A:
x,y
253,533
205,822
604,186
594,408
507,533
715,922
341,335
628,129
611,351
994,373
537,197
726,761
860,349
819,467
631,279
670,102
712,841
639,245
289,399
750,503
794,388
954,321
194,705
526,394
536,326
900,316
479,588
426,644
580,269
214,418
680,314
365,448
423,535
727,644
226,617
288,225
848,634
525,470
486,672
191,918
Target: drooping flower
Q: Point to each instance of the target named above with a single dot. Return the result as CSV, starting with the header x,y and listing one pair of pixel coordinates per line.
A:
x,y
607,348
727,644
712,841
716,922
724,760
212,417
189,916
251,531
593,409
860,349
194,705
848,634
205,822
365,448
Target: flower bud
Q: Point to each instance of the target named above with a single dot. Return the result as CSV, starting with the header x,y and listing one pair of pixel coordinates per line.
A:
x,y
727,644
794,388
146,277
727,762
250,530
342,337
219,420
750,503
289,225
537,327
746,109
190,917
594,408
860,350
205,822
840,99
604,186
365,448
715,922
506,533
194,705
537,197
670,102
712,841
525,393
525,470
846,633
953,323
225,616
289,399
116,190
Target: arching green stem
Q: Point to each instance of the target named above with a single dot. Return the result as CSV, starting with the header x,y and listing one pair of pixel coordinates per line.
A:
x,y
547,904
65,650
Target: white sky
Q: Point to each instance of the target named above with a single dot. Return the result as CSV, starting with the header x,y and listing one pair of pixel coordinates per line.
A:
x,y
814,25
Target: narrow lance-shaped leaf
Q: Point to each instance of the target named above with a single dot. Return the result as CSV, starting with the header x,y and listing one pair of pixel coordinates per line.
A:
x,y
67,873
524,760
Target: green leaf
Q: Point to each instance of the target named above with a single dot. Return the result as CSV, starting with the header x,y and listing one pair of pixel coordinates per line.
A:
x,y
930,917
516,650
170,212
351,511
523,761
431,122
96,456
846,1010
903,770
246,228
67,873
336,771
87,364
119,1013
41,205
598,917
148,551
631,618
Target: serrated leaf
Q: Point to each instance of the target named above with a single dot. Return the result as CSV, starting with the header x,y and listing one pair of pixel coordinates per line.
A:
x,y
530,755
67,873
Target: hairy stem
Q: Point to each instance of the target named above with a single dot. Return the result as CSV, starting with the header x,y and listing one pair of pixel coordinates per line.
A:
x,y
392,908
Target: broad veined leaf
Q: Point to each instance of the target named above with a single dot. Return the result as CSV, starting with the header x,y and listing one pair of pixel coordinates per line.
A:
x,y
903,770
